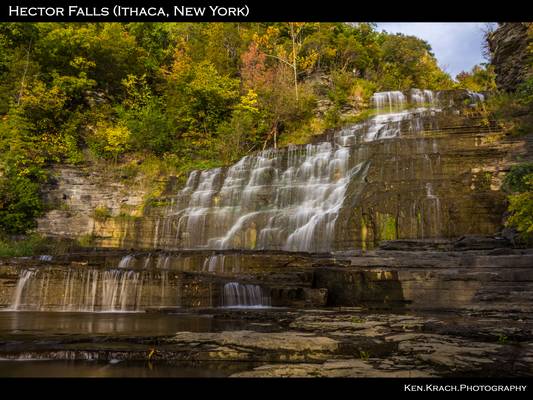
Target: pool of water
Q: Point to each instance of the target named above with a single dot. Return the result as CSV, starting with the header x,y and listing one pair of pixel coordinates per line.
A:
x,y
138,324
82,369
30,333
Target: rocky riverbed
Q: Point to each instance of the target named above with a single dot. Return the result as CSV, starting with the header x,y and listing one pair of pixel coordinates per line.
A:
x,y
409,309
333,342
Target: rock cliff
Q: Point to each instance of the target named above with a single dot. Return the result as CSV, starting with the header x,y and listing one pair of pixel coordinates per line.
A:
x,y
509,52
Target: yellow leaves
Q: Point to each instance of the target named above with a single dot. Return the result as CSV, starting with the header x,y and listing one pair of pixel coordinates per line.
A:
x,y
39,96
112,139
137,90
268,39
181,61
117,137
308,62
521,209
330,52
248,102
82,63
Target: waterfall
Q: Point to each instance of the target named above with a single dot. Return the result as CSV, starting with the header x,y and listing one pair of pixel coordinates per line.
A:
x,y
126,261
244,295
419,97
290,198
388,100
90,290
476,97
214,263
434,209
25,275
287,199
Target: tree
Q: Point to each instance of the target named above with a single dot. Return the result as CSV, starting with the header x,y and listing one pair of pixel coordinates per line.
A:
x,y
481,78
407,62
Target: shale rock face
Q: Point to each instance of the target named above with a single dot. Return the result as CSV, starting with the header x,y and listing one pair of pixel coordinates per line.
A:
x,y
86,202
426,166
509,50
416,173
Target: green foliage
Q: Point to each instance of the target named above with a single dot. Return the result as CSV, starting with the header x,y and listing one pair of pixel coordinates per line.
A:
x,y
24,247
86,240
190,95
102,214
521,209
110,141
151,128
514,111
20,204
519,181
200,98
503,339
342,84
525,92
408,62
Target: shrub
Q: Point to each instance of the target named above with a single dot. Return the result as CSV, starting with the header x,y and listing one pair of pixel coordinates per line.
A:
x,y
20,204
25,247
516,180
519,181
101,214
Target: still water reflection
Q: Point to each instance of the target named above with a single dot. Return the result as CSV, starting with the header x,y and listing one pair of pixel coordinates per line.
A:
x,y
138,324
78,369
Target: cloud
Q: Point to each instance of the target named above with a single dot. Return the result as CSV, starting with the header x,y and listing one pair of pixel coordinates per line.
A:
x,y
457,46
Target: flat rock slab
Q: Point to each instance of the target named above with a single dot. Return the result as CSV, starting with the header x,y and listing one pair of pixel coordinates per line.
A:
x,y
282,341
353,368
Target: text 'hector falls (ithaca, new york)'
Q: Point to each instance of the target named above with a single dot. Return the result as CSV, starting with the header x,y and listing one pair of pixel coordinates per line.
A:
x,y
121,11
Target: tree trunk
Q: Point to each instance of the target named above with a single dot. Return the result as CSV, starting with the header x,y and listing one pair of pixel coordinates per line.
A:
x,y
294,65
23,81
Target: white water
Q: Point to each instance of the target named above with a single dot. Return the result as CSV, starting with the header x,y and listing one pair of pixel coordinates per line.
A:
x,y
243,295
90,290
388,100
290,198
274,200
24,276
287,199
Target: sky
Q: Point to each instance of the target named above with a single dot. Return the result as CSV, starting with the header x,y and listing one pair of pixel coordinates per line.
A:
x,y
457,46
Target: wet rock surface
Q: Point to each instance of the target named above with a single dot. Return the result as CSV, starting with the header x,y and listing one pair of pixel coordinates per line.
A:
x,y
339,342
396,311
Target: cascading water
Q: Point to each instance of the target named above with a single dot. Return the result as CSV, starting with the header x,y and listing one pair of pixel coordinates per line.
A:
x,y
275,200
244,295
388,100
280,199
288,199
25,275
91,290
418,96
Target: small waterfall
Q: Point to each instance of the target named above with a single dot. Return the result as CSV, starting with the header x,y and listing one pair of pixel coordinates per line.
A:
x,y
91,290
422,97
244,295
214,263
435,212
476,97
25,275
388,100
126,262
